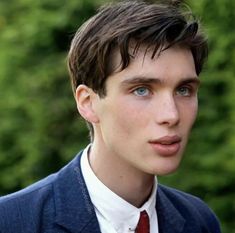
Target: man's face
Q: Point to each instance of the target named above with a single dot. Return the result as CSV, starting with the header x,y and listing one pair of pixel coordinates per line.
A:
x,y
150,107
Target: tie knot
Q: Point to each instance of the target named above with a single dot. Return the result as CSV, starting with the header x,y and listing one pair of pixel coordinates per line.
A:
x,y
143,224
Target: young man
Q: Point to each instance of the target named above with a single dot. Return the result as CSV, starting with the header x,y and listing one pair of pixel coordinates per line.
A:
x,y
134,68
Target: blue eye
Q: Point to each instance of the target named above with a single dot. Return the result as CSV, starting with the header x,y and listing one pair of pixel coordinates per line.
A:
x,y
142,91
184,91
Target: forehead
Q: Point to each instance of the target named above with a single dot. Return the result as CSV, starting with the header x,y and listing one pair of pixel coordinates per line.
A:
x,y
174,61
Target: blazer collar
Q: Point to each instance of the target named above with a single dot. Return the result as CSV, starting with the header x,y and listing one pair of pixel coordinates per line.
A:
x,y
74,210
169,218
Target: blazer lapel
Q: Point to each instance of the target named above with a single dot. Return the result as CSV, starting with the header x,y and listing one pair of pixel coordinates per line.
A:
x,y
74,210
169,218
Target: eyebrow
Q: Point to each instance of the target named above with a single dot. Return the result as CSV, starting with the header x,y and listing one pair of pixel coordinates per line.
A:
x,y
140,79
149,80
195,80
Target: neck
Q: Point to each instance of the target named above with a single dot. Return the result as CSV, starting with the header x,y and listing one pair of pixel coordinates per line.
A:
x,y
126,181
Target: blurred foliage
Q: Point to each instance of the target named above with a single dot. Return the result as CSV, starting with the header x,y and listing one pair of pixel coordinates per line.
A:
x,y
40,129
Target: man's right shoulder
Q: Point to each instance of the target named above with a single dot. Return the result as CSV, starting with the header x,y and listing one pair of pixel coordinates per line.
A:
x,y
29,190
26,204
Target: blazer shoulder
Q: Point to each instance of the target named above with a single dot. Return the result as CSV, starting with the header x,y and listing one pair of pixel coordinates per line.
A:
x,y
191,206
25,206
45,205
37,189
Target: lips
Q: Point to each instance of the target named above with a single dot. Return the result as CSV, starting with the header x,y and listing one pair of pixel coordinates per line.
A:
x,y
166,146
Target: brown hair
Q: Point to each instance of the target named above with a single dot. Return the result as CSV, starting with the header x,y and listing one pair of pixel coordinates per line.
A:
x,y
115,25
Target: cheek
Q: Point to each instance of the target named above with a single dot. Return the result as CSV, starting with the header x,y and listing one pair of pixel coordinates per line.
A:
x,y
128,118
194,110
190,113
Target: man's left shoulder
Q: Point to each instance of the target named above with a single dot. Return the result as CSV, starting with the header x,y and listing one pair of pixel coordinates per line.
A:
x,y
185,199
191,207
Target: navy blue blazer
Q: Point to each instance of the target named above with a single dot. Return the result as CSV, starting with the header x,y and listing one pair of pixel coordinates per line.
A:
x,y
60,203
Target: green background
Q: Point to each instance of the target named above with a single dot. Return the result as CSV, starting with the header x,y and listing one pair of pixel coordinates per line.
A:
x,y
40,129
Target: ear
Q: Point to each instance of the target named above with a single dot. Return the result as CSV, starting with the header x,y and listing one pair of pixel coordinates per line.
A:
x,y
84,98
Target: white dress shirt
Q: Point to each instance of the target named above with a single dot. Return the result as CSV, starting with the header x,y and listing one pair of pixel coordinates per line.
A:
x,y
114,214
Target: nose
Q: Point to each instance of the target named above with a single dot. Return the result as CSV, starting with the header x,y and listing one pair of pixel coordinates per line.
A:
x,y
167,111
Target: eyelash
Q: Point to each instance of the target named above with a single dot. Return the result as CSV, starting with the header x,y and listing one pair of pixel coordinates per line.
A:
x,y
142,87
190,91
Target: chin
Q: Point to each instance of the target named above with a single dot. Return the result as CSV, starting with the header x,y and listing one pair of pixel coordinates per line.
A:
x,y
167,169
166,172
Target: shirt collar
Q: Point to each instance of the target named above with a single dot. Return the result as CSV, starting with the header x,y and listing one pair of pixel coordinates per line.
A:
x,y
113,208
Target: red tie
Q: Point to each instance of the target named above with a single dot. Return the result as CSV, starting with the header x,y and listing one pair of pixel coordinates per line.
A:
x,y
143,224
